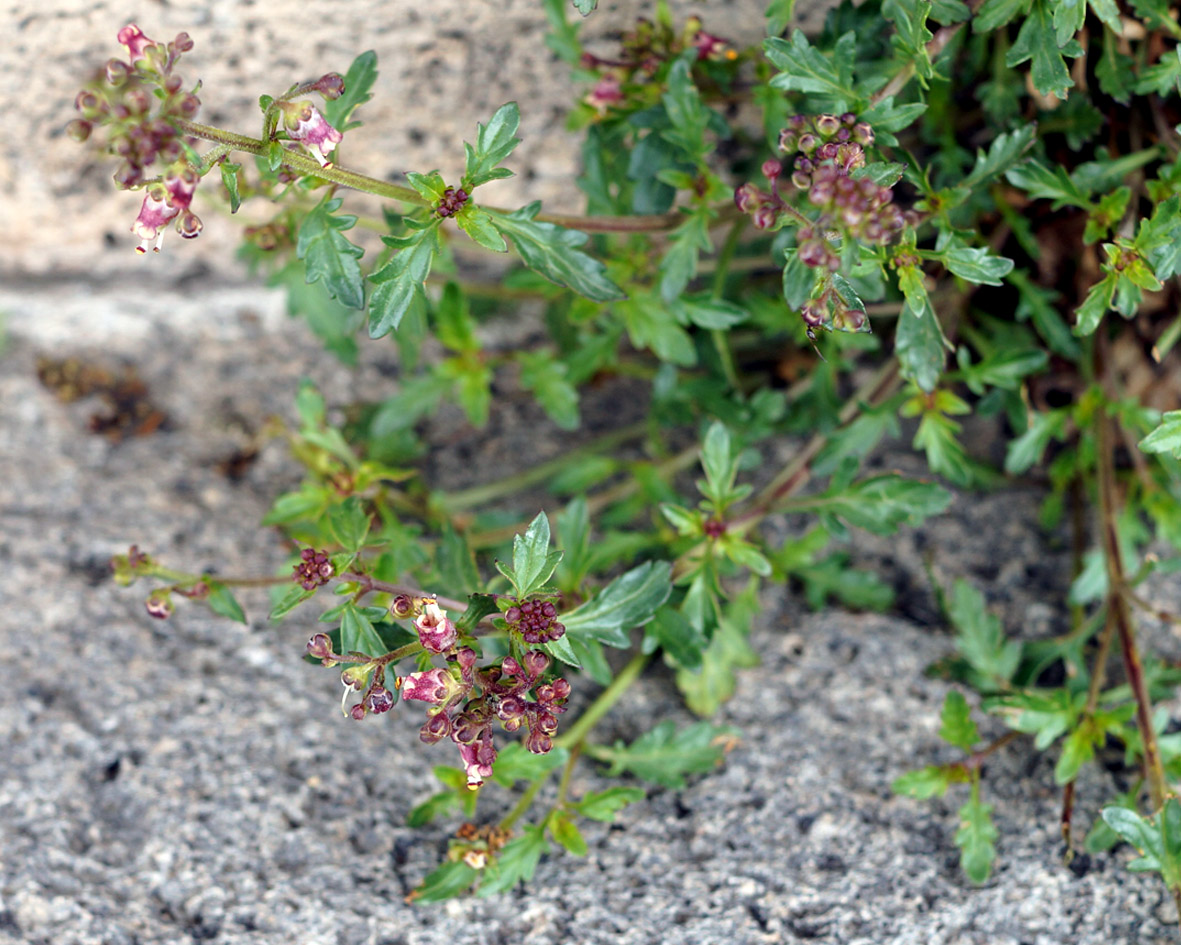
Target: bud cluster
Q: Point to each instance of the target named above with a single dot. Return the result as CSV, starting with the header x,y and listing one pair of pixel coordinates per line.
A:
x,y
451,202
643,51
314,569
465,701
535,620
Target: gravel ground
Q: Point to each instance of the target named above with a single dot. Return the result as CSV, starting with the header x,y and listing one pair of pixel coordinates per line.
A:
x,y
193,780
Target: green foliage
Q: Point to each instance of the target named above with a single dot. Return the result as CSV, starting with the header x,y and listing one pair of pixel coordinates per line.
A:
x,y
664,756
329,256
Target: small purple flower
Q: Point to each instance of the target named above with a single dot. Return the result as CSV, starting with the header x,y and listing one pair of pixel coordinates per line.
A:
x,y
163,203
136,42
379,700
478,759
307,126
436,632
606,92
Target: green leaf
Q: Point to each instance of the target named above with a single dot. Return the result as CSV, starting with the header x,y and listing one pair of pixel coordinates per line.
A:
x,y
728,651
803,68
686,243
880,504
357,633
682,103
681,641
977,265
1166,438
477,223
515,763
223,603
566,834
1037,303
350,524
936,436
1005,151
996,13
712,313
664,756
652,324
604,805
533,562
719,465
329,256
454,562
447,882
585,7
358,89
918,340
430,186
958,728
925,783
980,637
1038,42
631,600
334,324
1139,831
1115,70
479,606
1098,303
1030,446
437,805
292,598
547,377
976,839
229,177
494,142
1041,182
399,282
1004,368
779,16
553,251
887,117
515,862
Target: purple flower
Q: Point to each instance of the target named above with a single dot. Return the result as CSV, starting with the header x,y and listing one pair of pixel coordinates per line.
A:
x,y
163,203
607,92
435,686
305,124
136,42
436,632
478,759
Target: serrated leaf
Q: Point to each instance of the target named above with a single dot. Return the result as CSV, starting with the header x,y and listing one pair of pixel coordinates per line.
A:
x,y
399,282
712,313
976,839
358,89
566,834
880,504
977,265
293,597
494,142
585,7
1041,182
515,763
329,256
479,606
665,756
454,561
547,378
516,862
918,339
533,562
222,602
477,224
931,781
686,243
1038,42
604,805
1030,446
686,113
349,523
448,881
673,633
631,600
1005,151
958,728
553,251
1166,438
357,633
980,636
1099,301
803,68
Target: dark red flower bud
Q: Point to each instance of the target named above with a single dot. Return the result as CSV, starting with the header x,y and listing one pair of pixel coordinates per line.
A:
x,y
379,700
320,646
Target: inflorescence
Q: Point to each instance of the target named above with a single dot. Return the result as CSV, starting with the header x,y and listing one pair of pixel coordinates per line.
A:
x,y
464,700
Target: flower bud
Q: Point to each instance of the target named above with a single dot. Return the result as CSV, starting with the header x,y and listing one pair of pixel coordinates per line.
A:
x,y
536,663
159,605
787,141
190,226
435,729
79,129
765,217
827,125
117,72
746,198
379,700
863,134
401,607
320,646
808,143
357,712
772,169
538,742
331,86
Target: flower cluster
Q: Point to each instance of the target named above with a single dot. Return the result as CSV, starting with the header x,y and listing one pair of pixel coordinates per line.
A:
x,y
165,201
140,102
451,202
643,52
314,569
465,700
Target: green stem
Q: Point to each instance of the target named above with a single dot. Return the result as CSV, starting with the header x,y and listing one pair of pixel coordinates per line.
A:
x,y
720,338
1121,613
478,495
573,737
